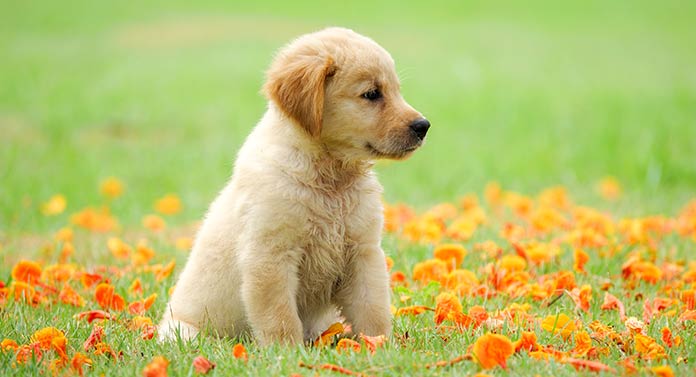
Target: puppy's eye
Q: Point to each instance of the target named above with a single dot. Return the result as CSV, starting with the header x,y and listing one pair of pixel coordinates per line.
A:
x,y
372,94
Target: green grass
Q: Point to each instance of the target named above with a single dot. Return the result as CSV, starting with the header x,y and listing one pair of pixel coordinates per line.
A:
x,y
161,95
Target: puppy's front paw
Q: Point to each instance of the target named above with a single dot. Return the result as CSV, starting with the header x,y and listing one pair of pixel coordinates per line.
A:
x,y
171,329
286,331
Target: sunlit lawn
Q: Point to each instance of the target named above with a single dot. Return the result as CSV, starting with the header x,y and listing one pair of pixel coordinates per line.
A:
x,y
531,95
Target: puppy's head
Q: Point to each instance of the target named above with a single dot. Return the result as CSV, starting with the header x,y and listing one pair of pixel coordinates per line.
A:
x,y
342,89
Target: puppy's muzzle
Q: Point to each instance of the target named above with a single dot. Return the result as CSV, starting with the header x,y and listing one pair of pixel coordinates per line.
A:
x,y
420,127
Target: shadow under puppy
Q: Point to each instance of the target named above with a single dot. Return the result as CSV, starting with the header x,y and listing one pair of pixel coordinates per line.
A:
x,y
294,237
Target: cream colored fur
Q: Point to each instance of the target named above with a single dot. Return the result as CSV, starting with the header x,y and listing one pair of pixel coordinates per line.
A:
x,y
294,238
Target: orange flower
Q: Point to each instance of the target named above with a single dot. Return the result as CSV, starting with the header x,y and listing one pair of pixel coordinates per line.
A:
x,y
511,263
492,349
327,336
461,281
609,188
54,206
93,315
102,348
611,302
118,248
95,220
144,324
429,270
50,338
527,342
169,204
111,188
202,365
395,216
89,280
451,254
23,292
462,228
183,243
69,296
667,336
594,366
166,270
412,310
445,305
662,371
580,258
157,367
346,344
688,298
8,345
78,361
493,194
373,342
648,348
27,352
559,324
58,272
107,298
64,235
94,338
478,313
136,287
141,306
583,344
26,271
582,297
154,223
688,315
143,253
239,352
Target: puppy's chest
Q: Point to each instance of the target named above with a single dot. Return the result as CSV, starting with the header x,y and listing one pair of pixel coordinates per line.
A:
x,y
332,241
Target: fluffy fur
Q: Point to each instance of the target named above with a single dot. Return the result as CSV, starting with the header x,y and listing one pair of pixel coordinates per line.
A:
x,y
294,237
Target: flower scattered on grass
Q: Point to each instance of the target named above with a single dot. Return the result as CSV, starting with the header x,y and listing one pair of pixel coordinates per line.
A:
x,y
54,206
517,284
169,204
111,188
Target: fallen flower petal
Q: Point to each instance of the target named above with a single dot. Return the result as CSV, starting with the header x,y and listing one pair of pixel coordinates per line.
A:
x,y
346,344
594,366
373,342
492,350
93,315
26,271
94,338
157,367
328,334
202,365
239,352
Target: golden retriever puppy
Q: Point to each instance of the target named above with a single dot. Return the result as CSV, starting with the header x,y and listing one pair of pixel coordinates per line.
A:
x,y
293,240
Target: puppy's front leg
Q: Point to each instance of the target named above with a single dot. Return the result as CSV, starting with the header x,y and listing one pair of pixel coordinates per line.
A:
x,y
364,299
269,291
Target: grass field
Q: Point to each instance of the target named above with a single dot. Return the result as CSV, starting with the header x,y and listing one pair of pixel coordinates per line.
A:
x,y
531,94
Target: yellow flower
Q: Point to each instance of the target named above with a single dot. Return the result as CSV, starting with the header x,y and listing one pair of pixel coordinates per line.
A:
x,y
154,223
169,204
559,324
111,188
54,206
609,188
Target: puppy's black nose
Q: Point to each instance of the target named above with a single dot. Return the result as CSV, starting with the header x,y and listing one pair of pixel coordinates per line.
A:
x,y
420,127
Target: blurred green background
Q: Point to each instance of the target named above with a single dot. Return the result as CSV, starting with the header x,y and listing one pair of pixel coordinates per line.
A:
x,y
529,93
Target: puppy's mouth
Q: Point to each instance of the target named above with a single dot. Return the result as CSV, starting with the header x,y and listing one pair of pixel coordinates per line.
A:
x,y
391,154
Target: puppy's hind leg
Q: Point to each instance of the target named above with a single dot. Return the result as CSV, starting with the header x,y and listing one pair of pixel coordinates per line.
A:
x,y
170,329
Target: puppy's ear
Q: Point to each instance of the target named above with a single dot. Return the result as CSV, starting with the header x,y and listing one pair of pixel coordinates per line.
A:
x,y
296,85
